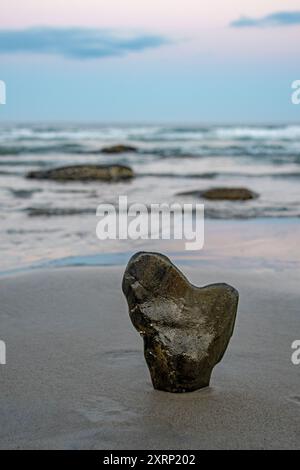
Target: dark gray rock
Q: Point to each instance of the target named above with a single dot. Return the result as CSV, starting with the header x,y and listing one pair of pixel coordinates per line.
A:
x,y
85,173
119,149
229,194
186,329
232,194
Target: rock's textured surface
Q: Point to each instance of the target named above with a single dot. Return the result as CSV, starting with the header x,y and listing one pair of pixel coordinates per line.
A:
x,y
230,194
186,329
119,149
85,173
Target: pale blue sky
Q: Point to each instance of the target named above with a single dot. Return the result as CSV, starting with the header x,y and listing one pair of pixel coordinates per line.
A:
x,y
228,61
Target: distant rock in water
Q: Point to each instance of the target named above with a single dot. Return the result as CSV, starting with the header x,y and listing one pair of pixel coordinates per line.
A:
x,y
230,194
119,149
186,329
57,211
85,173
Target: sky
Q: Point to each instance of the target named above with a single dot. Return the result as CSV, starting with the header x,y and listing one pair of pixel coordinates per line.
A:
x,y
153,61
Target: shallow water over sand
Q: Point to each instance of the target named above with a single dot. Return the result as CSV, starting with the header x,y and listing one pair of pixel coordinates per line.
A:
x,y
43,221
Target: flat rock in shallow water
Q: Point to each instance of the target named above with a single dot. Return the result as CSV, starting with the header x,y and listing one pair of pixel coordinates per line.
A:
x,y
186,329
119,149
232,194
85,173
229,194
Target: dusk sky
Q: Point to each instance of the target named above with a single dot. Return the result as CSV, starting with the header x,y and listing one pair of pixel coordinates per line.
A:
x,y
150,60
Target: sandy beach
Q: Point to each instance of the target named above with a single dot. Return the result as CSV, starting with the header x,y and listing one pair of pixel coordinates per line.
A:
x,y
149,228
76,378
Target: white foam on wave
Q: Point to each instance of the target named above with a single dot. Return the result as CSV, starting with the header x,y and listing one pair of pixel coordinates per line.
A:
x,y
276,133
148,133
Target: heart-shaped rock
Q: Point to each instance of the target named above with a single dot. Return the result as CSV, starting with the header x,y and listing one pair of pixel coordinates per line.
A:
x,y
186,329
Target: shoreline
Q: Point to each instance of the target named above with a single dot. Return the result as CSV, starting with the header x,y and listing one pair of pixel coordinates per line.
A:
x,y
241,244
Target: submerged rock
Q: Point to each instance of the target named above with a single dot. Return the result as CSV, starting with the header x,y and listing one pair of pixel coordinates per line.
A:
x,y
85,173
186,329
119,149
230,194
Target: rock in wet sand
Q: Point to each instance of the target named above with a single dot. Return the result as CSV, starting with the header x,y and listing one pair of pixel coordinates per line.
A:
x,y
186,329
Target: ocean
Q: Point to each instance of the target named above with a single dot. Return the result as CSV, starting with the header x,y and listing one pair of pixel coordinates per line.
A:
x,y
45,220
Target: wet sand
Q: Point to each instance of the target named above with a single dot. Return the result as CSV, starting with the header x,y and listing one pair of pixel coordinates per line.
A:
x,y
75,376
